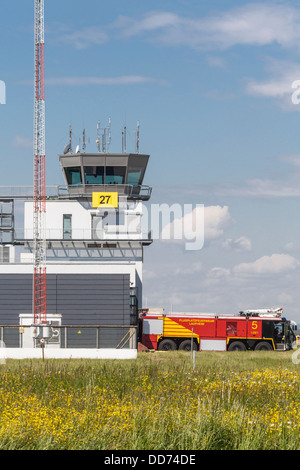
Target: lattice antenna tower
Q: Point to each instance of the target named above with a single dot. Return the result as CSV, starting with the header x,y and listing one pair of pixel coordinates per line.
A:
x,y
39,235
105,134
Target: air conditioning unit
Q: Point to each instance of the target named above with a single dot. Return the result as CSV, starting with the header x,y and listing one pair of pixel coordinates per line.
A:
x,y
54,338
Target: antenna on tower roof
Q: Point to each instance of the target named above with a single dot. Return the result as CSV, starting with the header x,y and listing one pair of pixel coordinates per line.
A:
x,y
109,132
68,148
124,137
106,137
138,137
83,141
70,138
98,136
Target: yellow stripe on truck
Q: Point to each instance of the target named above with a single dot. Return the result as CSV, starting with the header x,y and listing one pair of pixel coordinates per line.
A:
x,y
173,329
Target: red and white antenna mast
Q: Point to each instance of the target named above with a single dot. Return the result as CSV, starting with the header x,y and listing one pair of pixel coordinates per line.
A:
x,y
39,235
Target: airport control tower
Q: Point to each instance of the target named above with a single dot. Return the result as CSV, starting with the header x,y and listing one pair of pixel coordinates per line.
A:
x,y
94,241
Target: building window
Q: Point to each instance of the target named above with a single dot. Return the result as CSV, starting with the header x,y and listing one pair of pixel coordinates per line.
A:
x,y
67,227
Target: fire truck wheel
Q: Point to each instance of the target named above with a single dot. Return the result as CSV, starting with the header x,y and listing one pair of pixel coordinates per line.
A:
x,y
237,346
186,345
167,345
263,346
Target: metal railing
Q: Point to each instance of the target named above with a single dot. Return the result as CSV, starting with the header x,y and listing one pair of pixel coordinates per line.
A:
x,y
85,234
71,336
141,191
63,192
27,192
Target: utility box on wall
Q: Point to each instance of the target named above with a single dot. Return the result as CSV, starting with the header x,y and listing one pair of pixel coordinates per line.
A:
x,y
30,334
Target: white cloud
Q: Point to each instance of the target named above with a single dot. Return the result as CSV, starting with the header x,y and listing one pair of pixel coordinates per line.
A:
x,y
216,61
292,160
272,88
189,269
216,279
291,247
218,273
240,244
83,81
81,39
285,299
21,141
216,219
151,21
251,24
274,264
281,85
187,225
202,224
264,188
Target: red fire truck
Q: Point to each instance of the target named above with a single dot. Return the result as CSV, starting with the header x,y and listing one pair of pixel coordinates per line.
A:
x,y
259,330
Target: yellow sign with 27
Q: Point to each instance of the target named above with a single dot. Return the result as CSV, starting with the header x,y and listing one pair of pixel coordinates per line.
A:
x,y
105,199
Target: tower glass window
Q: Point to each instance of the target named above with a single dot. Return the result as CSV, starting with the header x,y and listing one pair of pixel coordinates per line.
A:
x,y
73,175
134,176
94,174
115,174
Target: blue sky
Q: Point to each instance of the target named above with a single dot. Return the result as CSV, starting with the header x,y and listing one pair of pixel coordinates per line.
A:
x,y
211,83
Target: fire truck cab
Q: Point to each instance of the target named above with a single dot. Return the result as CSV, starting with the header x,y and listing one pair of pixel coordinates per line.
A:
x,y
259,330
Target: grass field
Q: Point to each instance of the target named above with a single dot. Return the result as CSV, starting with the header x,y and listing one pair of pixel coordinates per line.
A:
x,y
237,400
